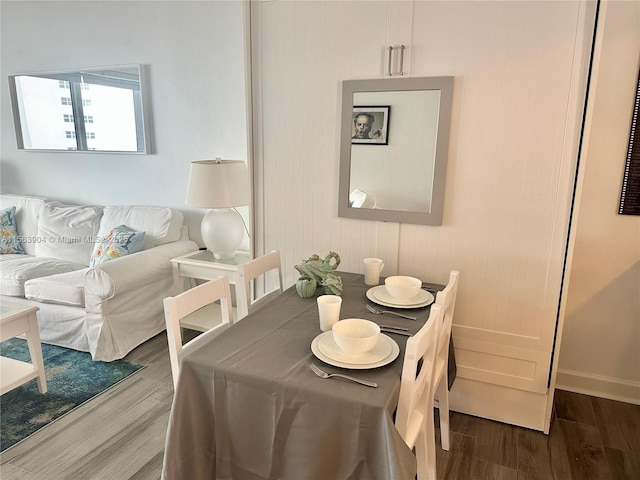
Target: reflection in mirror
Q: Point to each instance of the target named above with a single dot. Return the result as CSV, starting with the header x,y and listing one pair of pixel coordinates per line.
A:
x,y
98,109
401,180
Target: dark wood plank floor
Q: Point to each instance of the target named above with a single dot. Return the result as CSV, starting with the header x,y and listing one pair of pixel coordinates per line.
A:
x,y
590,438
120,435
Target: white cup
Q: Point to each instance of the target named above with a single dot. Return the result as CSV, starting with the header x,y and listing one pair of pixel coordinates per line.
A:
x,y
329,311
372,269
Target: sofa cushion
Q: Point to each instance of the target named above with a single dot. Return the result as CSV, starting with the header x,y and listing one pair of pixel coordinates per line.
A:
x,y
27,214
11,256
160,224
68,232
63,288
119,242
15,273
9,238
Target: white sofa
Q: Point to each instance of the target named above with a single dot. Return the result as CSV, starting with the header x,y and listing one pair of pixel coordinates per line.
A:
x,y
106,309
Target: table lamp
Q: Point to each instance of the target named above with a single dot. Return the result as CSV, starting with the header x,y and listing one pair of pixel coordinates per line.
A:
x,y
220,185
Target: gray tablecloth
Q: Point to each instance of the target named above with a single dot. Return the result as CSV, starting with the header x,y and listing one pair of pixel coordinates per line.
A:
x,y
248,407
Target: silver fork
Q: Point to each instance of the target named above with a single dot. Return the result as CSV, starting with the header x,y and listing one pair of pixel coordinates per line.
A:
x,y
323,374
379,312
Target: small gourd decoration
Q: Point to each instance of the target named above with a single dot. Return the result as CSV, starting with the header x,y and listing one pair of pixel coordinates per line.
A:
x,y
306,286
322,272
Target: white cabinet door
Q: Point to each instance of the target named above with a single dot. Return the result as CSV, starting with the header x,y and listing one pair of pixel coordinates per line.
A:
x,y
518,96
301,52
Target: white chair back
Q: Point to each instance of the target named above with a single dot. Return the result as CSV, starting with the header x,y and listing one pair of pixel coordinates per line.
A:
x,y
447,300
247,299
414,416
198,301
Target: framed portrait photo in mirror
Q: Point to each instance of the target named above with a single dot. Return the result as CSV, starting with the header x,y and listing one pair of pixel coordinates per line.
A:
x,y
370,125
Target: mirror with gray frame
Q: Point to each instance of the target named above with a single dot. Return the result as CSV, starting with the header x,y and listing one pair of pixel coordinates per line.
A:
x,y
87,110
393,149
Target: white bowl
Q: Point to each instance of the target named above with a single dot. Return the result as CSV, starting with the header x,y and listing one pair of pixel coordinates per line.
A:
x,y
403,288
356,336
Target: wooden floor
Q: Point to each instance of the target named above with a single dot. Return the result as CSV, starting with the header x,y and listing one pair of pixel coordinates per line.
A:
x,y
120,435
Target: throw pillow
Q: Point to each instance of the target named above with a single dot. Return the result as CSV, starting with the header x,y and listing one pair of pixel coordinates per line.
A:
x,y
68,232
9,241
120,241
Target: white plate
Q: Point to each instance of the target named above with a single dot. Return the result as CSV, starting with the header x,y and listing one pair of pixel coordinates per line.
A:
x,y
328,347
379,295
374,363
383,295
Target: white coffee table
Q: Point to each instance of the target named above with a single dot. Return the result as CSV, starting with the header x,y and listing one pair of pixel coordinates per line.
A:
x,y
16,318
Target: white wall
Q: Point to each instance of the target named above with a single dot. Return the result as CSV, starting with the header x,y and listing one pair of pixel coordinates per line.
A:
x,y
600,350
196,62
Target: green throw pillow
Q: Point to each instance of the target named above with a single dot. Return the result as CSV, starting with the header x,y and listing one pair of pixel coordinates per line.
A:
x,y
9,240
120,241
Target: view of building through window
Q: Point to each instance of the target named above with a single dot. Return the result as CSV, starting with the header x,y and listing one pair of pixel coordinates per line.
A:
x,y
108,103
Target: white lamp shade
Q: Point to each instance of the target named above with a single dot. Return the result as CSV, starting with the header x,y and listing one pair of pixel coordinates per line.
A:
x,y
218,184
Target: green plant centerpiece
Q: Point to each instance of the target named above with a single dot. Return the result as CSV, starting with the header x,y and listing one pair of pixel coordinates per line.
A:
x,y
320,271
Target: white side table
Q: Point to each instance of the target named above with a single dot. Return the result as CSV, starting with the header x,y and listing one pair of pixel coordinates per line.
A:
x,y
16,318
202,265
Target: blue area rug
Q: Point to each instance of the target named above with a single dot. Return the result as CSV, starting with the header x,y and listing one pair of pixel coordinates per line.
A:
x,y
72,379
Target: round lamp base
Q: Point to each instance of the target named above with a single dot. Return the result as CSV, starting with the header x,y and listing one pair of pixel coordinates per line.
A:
x,y
222,232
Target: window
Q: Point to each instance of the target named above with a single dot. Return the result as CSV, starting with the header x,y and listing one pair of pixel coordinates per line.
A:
x,y
107,100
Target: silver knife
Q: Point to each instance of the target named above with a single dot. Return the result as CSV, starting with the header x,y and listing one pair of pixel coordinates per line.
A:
x,y
394,328
399,332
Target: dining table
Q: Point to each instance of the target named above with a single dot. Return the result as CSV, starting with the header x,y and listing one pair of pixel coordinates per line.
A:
x,y
247,406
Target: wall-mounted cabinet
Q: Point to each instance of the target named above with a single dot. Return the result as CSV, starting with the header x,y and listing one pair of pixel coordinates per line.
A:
x,y
520,71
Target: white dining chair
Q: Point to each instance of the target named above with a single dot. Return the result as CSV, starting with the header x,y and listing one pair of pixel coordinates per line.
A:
x,y
266,268
414,415
200,305
447,300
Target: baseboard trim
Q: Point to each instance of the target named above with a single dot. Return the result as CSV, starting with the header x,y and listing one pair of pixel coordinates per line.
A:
x,y
598,386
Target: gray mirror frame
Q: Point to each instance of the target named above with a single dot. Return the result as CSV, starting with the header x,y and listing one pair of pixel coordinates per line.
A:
x,y
349,87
